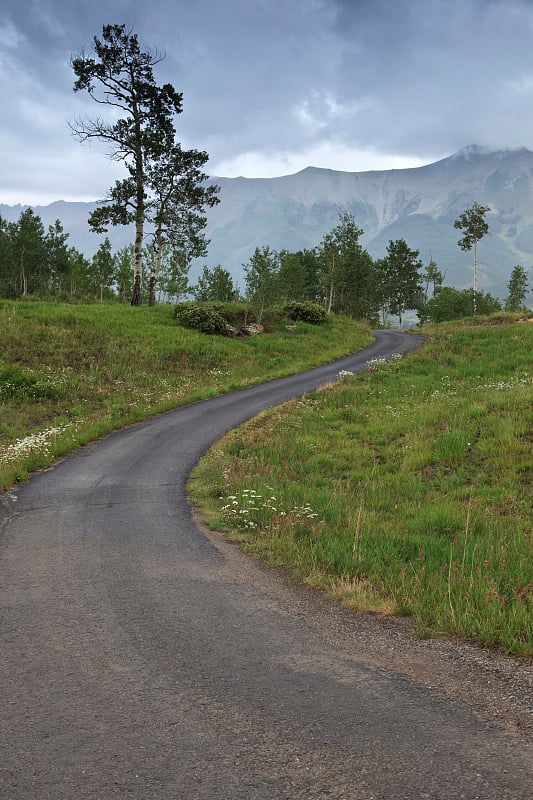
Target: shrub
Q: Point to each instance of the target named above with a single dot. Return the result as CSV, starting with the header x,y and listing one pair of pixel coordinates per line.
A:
x,y
306,312
200,318
232,313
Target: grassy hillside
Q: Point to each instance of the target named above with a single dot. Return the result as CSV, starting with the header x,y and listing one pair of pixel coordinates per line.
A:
x,y
69,373
404,491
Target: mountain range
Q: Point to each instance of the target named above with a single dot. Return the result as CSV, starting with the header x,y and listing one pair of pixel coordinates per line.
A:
x,y
418,205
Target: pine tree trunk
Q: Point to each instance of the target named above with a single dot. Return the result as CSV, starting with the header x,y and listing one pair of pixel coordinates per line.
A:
x,y
156,266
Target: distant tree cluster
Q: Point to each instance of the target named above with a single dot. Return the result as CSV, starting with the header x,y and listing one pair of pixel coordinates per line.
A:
x,y
342,276
339,274
35,262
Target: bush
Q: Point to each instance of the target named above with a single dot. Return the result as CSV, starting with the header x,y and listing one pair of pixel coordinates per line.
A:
x,y
200,318
232,313
306,312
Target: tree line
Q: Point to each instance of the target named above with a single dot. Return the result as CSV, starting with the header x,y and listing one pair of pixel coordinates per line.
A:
x,y
35,262
339,274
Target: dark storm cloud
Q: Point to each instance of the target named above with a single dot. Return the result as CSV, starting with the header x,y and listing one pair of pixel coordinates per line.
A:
x,y
271,84
442,72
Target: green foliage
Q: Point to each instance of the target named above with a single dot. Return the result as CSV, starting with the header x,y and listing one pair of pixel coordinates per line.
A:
x,y
517,288
297,277
179,197
401,281
306,312
452,303
261,277
345,273
432,276
199,318
165,182
103,270
473,224
235,314
17,383
215,284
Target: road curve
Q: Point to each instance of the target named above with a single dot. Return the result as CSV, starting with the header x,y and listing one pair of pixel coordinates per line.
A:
x,y
134,663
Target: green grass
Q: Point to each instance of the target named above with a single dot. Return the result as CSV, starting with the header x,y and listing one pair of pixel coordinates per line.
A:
x,y
69,373
405,491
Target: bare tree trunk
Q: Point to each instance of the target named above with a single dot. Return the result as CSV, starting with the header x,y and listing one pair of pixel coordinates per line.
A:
x,y
23,276
330,302
475,277
156,266
136,297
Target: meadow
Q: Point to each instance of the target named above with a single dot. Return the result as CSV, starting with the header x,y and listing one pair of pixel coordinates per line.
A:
x,y
405,491
70,373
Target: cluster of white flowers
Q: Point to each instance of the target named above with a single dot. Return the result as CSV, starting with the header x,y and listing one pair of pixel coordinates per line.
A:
x,y
251,510
447,388
36,441
308,402
304,511
345,373
513,383
451,390
377,363
216,372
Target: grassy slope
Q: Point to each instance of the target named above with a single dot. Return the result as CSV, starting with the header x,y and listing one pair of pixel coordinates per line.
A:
x,y
407,490
99,367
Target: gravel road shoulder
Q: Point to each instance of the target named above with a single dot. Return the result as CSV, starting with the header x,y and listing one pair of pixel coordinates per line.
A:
x,y
489,680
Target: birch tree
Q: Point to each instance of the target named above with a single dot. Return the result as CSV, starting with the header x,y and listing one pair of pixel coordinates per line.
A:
x,y
474,226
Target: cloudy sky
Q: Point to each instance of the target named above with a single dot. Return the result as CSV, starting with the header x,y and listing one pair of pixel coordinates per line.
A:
x,y
272,86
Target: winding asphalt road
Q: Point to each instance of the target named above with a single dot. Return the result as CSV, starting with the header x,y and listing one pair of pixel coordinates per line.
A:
x,y
136,662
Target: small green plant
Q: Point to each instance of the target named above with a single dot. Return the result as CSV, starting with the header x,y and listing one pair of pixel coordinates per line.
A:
x,y
306,312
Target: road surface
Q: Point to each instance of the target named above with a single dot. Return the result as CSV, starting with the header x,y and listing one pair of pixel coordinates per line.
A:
x,y
139,659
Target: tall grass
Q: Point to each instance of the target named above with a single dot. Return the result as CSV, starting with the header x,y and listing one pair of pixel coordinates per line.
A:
x,y
407,490
69,373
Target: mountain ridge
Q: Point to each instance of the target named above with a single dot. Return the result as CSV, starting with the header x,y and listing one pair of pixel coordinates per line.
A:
x,y
418,204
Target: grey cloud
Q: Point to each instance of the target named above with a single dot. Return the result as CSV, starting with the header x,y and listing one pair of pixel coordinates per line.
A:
x,y
418,77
